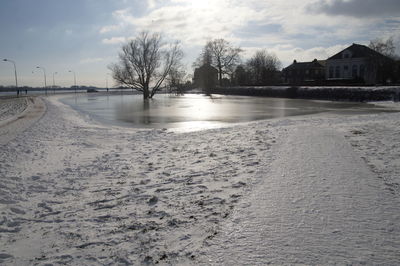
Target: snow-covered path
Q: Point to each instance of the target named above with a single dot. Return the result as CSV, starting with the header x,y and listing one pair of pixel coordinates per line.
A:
x,y
318,204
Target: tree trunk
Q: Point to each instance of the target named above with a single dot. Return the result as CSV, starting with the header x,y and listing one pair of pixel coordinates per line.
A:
x,y
146,93
220,75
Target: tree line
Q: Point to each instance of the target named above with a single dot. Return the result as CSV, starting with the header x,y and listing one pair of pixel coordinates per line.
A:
x,y
147,64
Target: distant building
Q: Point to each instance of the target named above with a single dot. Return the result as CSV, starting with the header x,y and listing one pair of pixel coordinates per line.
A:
x,y
304,73
205,77
359,63
397,72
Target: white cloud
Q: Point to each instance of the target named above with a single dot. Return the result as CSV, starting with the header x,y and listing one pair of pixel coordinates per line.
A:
x,y
287,53
90,60
192,21
109,28
114,40
122,18
292,28
151,4
358,8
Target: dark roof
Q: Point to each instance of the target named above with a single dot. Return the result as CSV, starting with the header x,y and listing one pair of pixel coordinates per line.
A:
x,y
305,65
358,51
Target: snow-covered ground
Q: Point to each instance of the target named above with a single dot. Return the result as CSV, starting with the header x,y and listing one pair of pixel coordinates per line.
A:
x,y
10,107
18,114
319,189
319,204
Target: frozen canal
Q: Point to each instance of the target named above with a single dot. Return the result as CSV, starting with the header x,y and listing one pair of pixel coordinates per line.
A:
x,y
199,111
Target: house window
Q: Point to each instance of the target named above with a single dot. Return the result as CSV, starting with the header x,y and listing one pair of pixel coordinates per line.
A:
x,y
337,72
354,71
346,68
307,72
331,72
362,71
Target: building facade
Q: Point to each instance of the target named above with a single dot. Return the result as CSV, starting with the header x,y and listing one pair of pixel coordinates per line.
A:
x,y
358,63
304,73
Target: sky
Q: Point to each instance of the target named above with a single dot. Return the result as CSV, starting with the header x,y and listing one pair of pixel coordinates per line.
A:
x,y
85,36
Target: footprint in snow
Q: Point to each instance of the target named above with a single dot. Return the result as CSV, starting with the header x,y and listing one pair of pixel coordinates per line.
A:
x,y
153,201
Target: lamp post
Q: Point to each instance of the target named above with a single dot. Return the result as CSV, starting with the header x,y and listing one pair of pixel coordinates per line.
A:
x,y
45,79
54,83
15,73
74,78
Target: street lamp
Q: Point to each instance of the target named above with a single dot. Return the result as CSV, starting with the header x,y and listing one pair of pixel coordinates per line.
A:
x,y
74,78
54,83
15,73
45,79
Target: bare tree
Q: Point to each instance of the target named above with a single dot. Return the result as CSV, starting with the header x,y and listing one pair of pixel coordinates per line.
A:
x,y
263,66
221,55
384,68
204,58
144,63
385,47
176,78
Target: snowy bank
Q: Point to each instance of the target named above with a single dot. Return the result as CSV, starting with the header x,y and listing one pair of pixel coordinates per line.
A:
x,y
356,94
10,107
18,114
79,193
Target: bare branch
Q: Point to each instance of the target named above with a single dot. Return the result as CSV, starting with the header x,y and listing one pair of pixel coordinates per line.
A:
x,y
385,47
221,55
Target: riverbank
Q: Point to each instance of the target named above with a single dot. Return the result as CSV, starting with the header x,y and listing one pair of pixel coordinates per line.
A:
x,y
10,106
354,94
18,114
77,192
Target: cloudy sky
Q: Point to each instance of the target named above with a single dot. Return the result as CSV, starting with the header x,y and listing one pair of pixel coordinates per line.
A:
x,y
86,35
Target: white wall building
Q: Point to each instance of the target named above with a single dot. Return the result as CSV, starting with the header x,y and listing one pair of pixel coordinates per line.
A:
x,y
357,62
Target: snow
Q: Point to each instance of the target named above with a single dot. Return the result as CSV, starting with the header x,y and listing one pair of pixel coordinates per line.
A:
x,y
17,115
318,204
12,106
320,189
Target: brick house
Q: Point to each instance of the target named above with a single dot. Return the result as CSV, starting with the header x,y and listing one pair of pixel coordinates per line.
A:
x,y
304,73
